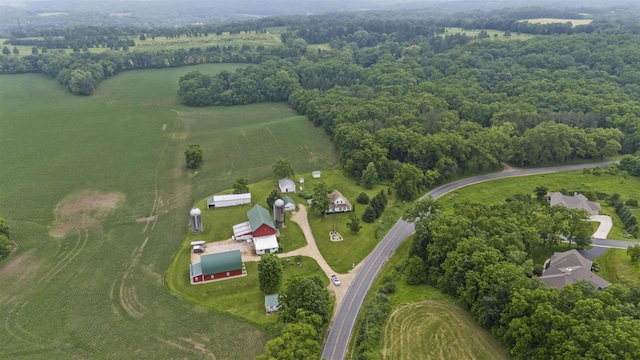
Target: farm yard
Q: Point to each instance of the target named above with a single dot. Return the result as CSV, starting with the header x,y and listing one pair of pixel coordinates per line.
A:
x,y
436,330
97,198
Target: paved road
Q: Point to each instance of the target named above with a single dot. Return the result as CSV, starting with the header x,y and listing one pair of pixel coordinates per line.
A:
x,y
335,347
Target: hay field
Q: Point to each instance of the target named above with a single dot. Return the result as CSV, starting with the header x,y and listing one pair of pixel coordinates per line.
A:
x,y
96,194
574,22
436,330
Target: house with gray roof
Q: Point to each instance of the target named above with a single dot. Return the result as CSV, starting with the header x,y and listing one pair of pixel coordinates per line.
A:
x,y
577,201
569,267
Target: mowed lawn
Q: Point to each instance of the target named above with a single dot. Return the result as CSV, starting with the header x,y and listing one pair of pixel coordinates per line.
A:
x,y
434,329
616,267
106,174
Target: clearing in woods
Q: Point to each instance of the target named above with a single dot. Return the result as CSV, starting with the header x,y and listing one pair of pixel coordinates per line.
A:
x,y
436,330
574,22
97,197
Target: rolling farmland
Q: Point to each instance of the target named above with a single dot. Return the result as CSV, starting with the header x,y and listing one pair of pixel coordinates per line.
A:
x,y
96,194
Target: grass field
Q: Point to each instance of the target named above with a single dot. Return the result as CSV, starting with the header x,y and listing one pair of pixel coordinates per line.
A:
x,y
616,267
497,191
436,330
574,22
490,32
105,174
269,39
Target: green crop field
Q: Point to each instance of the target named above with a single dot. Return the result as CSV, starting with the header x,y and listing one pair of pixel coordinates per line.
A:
x,y
96,195
436,330
604,184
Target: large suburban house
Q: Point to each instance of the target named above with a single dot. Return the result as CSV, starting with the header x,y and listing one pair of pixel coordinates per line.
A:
x,y
569,267
260,229
286,185
217,267
339,203
577,201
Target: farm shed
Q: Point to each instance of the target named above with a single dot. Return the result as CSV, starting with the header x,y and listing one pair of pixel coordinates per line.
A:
x,y
217,266
219,201
260,222
286,185
271,303
289,204
242,231
315,174
266,244
339,203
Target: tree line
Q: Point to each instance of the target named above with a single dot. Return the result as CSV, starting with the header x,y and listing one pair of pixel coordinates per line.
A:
x,y
481,255
80,72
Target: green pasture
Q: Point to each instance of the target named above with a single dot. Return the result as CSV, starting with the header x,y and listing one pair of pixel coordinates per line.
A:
x,y
616,267
490,32
269,39
99,290
497,191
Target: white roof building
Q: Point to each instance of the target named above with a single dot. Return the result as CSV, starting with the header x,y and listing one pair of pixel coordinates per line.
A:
x,y
266,244
286,185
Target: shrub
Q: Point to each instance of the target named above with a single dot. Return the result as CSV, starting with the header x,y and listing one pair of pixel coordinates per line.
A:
x,y
306,194
369,215
363,198
631,202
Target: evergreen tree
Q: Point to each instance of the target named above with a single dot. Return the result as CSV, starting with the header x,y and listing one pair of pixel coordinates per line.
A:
x,y
369,215
369,176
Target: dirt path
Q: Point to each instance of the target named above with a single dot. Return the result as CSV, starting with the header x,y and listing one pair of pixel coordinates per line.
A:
x,y
311,250
507,168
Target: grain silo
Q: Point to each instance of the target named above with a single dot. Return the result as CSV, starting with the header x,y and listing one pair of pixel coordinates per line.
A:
x,y
278,213
195,220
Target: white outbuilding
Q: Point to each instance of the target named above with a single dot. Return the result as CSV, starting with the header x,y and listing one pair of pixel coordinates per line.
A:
x,y
266,244
286,185
219,201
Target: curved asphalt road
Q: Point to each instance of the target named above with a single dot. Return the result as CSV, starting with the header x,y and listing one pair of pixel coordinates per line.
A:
x,y
335,347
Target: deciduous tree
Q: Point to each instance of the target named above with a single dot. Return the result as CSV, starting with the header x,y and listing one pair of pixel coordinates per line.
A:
x,y
273,196
193,156
241,186
320,201
354,223
282,168
369,176
269,273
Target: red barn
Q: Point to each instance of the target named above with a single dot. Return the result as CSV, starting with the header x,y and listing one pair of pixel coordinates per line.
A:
x,y
261,222
217,266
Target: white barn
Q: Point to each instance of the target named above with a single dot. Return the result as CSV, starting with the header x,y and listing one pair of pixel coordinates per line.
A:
x,y
219,201
286,185
266,244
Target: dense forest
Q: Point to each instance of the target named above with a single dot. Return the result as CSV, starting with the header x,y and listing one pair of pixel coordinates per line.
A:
x,y
424,107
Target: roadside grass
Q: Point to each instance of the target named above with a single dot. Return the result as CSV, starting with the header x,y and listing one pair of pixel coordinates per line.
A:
x,y
101,291
616,267
241,296
355,247
497,191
